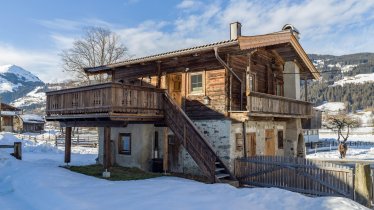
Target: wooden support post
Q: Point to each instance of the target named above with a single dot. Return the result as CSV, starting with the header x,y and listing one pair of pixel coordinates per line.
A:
x,y
158,85
362,184
166,150
67,144
107,153
306,89
18,150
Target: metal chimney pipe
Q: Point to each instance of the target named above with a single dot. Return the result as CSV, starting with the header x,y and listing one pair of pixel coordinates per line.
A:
x,y
235,30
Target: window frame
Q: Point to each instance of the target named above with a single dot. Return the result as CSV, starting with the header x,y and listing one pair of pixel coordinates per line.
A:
x,y
280,141
196,92
120,144
252,82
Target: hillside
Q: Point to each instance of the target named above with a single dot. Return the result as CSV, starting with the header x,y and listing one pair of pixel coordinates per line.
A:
x,y
16,82
348,79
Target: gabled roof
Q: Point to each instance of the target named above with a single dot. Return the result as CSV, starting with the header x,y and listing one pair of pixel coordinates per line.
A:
x,y
156,57
292,51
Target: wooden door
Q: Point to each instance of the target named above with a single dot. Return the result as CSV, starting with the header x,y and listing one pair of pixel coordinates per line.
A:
x,y
269,142
250,143
175,87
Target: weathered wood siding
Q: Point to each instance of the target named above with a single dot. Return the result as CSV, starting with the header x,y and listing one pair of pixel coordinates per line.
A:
x,y
216,91
264,65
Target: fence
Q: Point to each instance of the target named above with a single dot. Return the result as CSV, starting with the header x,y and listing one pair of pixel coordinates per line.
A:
x,y
296,174
85,140
313,145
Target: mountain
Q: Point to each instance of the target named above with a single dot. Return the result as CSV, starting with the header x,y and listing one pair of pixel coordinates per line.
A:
x,y
348,79
16,82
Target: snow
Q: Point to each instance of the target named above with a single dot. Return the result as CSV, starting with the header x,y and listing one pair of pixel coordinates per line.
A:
x,y
32,118
357,79
6,86
347,68
20,72
8,113
33,97
37,182
353,153
331,106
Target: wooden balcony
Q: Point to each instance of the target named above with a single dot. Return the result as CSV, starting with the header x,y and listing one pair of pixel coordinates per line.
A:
x,y
109,101
266,105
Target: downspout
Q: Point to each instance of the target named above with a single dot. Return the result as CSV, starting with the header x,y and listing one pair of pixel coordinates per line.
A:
x,y
233,73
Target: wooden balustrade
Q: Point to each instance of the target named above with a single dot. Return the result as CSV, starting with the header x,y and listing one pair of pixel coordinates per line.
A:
x,y
266,104
113,98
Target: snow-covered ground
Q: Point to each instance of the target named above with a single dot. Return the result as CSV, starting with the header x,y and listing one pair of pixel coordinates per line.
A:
x,y
38,183
357,79
353,153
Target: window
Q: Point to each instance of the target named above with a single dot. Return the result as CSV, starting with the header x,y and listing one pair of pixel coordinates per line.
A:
x,y
239,141
124,143
280,139
196,83
252,82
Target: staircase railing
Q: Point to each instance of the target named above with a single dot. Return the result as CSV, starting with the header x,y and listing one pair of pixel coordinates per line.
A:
x,y
194,142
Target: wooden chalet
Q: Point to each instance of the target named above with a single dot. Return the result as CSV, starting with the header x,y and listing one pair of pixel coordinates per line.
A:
x,y
9,117
196,109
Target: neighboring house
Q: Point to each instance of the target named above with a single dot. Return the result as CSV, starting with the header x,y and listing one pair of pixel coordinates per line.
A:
x,y
9,120
32,123
198,108
311,126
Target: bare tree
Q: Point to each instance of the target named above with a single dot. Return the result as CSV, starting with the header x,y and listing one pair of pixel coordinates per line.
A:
x,y
98,47
342,124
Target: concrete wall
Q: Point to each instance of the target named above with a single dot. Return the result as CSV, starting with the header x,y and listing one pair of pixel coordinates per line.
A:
x,y
142,145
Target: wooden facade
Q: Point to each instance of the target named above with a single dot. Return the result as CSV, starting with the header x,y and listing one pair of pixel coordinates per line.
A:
x,y
235,80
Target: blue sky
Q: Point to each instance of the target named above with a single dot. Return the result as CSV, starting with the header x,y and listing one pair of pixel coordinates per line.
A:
x,y
33,33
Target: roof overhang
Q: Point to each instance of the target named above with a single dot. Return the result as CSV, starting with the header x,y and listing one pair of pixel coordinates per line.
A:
x,y
286,45
163,56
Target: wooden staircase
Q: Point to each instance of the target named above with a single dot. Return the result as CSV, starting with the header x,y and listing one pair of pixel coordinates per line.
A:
x,y
194,142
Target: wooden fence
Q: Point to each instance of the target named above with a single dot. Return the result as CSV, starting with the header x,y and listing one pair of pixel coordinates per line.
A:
x,y
313,145
59,140
296,174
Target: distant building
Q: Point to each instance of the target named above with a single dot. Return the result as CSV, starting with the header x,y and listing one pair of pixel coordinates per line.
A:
x,y
13,120
32,123
9,119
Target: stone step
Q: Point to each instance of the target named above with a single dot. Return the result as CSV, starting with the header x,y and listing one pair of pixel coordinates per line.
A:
x,y
222,175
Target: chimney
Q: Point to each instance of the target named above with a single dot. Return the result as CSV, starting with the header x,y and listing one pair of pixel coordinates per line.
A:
x,y
235,30
292,29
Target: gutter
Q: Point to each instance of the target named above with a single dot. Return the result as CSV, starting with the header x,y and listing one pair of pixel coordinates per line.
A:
x,y
233,73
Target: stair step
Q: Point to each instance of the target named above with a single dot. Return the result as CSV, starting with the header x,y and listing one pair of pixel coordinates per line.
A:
x,y
222,175
219,169
217,162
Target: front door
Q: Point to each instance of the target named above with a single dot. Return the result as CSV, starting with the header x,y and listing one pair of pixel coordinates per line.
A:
x,y
250,144
269,142
175,87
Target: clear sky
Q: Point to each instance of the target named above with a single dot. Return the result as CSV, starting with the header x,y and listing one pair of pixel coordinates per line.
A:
x,y
33,32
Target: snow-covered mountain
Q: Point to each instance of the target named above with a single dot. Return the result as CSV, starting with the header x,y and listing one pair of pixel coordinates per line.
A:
x,y
16,83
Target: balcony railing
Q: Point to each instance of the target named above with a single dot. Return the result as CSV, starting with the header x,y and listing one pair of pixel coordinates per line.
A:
x,y
105,99
262,104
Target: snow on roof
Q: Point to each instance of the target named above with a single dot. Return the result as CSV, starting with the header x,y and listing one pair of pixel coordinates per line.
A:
x,y
8,113
32,118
